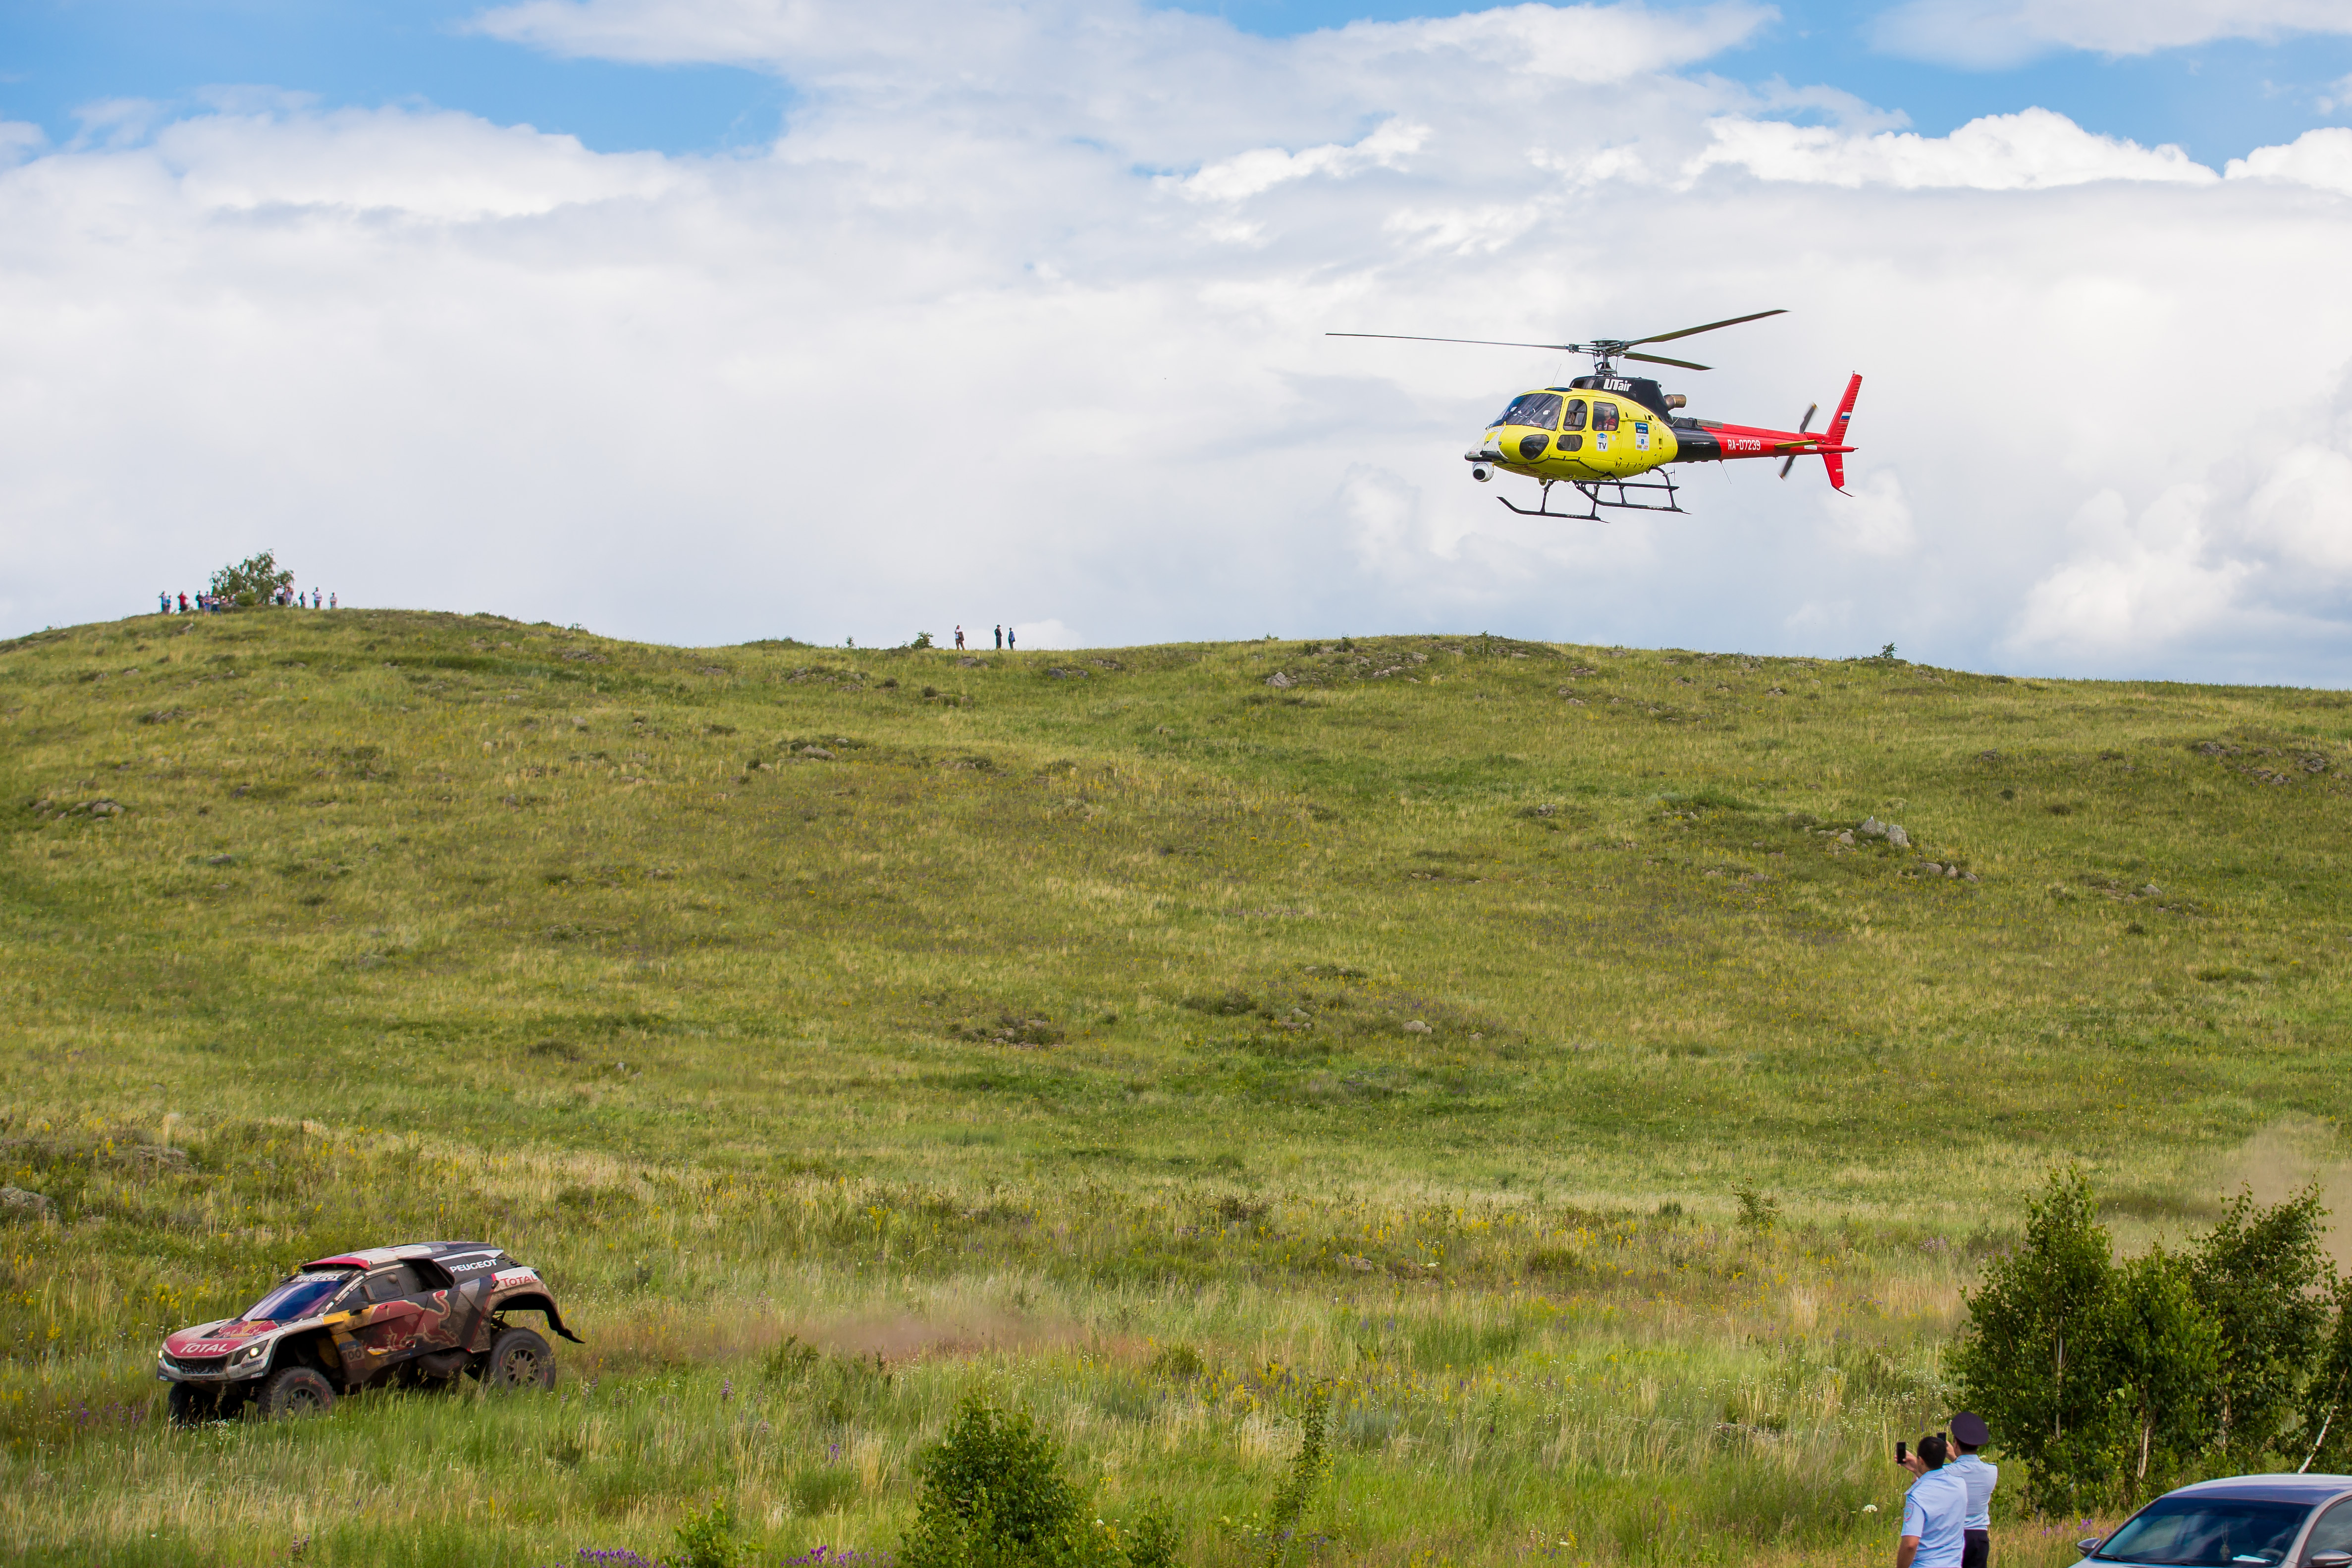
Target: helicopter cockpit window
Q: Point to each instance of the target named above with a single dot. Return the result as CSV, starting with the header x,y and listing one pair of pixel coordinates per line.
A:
x,y
1540,409
1604,416
1575,414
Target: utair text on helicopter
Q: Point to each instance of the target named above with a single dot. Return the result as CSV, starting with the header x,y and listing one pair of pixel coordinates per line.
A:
x,y
1610,437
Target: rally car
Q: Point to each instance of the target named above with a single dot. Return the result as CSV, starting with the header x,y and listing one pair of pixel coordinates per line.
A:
x,y
430,1311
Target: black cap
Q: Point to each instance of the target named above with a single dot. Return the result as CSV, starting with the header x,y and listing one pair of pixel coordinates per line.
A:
x,y
1970,1429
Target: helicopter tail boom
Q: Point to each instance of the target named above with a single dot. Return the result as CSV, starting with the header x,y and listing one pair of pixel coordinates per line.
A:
x,y
1833,448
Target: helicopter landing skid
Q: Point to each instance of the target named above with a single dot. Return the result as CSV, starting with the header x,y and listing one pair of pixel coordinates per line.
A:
x,y
1600,493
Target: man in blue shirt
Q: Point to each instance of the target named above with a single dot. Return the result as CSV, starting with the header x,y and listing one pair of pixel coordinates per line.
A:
x,y
1968,1434
1934,1509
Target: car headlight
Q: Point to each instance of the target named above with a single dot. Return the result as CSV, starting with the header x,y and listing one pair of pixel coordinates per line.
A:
x,y
249,1354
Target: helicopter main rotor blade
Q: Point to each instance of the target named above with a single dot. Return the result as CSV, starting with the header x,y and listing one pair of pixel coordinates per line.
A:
x,y
1488,342
1660,359
1690,331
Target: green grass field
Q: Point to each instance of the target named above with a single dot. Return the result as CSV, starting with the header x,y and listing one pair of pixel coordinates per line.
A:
x,y
1149,1037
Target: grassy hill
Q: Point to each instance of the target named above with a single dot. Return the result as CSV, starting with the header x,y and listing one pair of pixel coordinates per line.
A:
x,y
1519,1040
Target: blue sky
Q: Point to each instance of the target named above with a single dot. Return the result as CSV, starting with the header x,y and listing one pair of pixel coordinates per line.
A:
x,y
2217,99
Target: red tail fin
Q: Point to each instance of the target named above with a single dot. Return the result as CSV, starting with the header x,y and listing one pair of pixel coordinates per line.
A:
x,y
1835,435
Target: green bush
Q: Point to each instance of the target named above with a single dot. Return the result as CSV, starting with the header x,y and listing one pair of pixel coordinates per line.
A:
x,y
1308,1468
2326,1422
1153,1543
2159,1349
707,1539
2111,1381
993,1493
994,1496
2263,1274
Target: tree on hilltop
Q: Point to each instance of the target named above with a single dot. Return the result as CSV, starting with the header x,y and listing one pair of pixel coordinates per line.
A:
x,y
252,581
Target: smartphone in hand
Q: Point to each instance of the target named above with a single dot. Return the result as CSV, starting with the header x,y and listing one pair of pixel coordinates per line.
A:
x,y
1901,1450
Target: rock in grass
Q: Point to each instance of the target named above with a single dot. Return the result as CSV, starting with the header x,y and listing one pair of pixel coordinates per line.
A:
x,y
27,1204
816,753
1415,1026
1872,828
1280,681
1896,837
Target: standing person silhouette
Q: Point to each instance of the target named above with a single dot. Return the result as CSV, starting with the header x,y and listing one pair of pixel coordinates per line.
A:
x,y
999,640
1008,637
1969,1435
958,637
1934,1509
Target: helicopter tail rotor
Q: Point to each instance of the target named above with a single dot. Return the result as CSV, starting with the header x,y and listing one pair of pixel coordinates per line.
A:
x,y
1831,443
1802,426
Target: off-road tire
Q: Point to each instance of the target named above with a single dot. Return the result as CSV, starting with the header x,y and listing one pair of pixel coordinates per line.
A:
x,y
297,1391
519,1359
193,1404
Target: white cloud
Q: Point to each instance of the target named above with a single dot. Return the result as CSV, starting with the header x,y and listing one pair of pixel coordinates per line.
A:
x,y
2033,149
1260,170
18,140
2321,159
963,341
1874,519
1586,43
1566,43
1995,33
2131,581
428,165
2260,548
2302,511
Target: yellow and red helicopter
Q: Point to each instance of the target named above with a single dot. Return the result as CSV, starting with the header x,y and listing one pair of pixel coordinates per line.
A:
x,y
1611,436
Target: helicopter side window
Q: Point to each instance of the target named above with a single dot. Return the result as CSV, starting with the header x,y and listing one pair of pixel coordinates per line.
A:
x,y
1604,416
1575,414
1540,409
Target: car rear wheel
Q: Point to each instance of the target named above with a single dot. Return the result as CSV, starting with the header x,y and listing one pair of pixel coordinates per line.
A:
x,y
297,1391
193,1404
519,1359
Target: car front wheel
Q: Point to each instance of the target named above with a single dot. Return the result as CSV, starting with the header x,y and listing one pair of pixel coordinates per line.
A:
x,y
519,1359
297,1391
